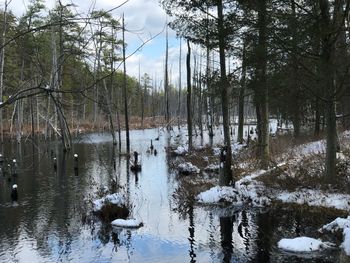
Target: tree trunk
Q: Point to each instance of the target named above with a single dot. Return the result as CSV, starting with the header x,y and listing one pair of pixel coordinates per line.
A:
x,y
166,83
241,97
108,102
2,64
317,118
261,91
179,94
125,95
226,176
295,79
328,82
189,96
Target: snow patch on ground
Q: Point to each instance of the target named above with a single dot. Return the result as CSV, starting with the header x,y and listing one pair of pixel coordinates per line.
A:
x,y
301,244
128,223
181,150
212,168
246,190
252,190
218,194
188,168
236,147
116,198
216,151
310,148
316,198
338,224
346,243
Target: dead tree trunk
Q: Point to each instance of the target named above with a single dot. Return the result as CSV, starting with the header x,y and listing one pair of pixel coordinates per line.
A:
x,y
125,95
189,96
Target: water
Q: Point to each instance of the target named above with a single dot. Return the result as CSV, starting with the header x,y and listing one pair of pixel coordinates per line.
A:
x,y
51,220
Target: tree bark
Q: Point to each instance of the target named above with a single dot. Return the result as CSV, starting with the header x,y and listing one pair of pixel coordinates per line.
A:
x,y
241,96
125,96
261,91
226,176
295,79
179,94
189,96
328,82
2,64
166,82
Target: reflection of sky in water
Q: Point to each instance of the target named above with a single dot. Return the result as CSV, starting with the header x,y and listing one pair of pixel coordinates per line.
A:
x,y
46,226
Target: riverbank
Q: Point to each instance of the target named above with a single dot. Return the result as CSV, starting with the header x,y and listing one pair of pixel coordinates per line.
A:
x,y
77,127
295,174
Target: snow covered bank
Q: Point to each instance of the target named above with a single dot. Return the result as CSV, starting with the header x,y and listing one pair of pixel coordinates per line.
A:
x,y
127,223
188,168
310,148
235,148
116,199
302,244
219,194
246,190
254,192
212,168
338,224
181,150
316,198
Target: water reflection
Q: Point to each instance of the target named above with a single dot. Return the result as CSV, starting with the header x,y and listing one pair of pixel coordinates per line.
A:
x,y
226,228
52,221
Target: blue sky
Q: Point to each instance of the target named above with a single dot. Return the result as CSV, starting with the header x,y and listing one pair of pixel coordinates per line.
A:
x,y
140,15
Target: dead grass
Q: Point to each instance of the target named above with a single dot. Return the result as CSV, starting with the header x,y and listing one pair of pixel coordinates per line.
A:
x,y
309,173
282,143
306,172
189,187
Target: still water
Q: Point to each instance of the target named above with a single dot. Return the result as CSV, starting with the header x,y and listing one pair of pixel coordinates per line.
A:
x,y
51,222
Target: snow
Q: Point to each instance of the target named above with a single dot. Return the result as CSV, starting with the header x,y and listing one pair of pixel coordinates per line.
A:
x,y
301,244
236,147
316,198
346,243
181,150
216,151
217,194
116,198
337,224
245,190
252,190
310,148
188,168
346,133
212,168
129,223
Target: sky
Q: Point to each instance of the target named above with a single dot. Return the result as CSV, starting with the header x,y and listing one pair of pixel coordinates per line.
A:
x,y
145,17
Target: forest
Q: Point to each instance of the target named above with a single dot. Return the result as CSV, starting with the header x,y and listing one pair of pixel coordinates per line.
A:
x,y
261,78
286,59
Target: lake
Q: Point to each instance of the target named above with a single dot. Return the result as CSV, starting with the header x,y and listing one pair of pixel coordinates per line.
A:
x,y
52,221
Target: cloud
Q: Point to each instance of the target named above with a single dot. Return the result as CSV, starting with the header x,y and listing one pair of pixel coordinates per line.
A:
x,y
144,19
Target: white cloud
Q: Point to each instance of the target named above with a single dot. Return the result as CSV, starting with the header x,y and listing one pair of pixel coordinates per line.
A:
x,y
144,19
